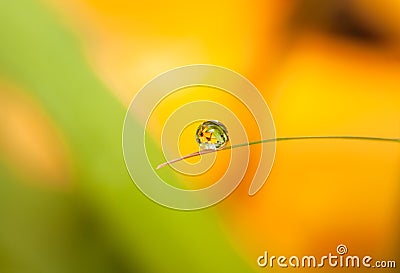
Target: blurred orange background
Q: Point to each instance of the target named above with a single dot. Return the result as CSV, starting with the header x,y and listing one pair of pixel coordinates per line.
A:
x,y
323,67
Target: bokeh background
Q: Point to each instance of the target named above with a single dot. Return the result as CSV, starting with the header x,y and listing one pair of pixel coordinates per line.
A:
x,y
69,68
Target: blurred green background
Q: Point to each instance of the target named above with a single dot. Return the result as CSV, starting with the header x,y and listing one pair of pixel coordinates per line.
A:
x,y
68,70
91,218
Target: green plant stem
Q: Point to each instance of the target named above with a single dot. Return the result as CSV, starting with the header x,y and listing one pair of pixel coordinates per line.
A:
x,y
275,140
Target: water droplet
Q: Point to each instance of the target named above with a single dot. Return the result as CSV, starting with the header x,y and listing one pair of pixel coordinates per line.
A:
x,y
212,135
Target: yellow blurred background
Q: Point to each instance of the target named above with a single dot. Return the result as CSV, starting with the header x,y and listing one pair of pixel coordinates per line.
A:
x,y
68,70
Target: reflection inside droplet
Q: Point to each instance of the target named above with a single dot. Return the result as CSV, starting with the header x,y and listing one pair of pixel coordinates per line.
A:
x,y
212,135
